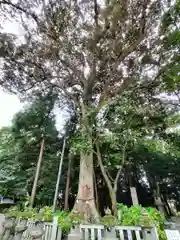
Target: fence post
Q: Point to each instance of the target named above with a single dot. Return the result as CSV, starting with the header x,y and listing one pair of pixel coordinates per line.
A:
x,y
54,228
150,233
59,234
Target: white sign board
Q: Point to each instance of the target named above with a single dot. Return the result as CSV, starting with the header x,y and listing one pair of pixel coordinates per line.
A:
x,y
172,234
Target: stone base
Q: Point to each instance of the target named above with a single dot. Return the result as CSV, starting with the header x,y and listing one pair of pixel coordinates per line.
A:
x,y
74,234
110,235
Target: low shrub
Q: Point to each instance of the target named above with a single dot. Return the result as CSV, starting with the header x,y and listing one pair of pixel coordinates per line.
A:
x,y
109,221
65,220
44,214
139,216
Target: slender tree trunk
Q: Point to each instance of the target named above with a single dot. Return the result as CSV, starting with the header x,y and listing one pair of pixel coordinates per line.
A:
x,y
112,192
166,204
112,188
66,205
121,167
96,193
33,194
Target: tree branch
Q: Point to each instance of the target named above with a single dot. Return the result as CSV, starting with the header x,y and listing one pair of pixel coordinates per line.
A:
x,y
106,178
122,165
125,53
123,157
96,12
31,14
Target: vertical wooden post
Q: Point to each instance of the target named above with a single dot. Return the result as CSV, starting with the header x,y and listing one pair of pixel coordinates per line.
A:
x,y
59,176
59,234
66,205
54,228
33,194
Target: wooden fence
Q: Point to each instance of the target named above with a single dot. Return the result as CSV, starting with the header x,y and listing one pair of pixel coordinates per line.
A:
x,y
99,232
13,229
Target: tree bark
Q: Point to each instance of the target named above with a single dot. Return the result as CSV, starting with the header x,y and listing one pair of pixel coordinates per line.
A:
x,y
85,201
85,204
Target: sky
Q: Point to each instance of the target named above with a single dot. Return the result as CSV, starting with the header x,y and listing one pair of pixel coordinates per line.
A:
x,y
9,105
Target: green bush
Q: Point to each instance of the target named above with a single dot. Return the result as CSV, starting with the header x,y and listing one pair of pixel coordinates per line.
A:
x,y
139,216
14,212
109,221
44,214
158,220
130,216
65,220
61,214
64,223
76,218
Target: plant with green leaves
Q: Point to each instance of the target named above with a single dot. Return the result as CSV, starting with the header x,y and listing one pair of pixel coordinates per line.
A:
x,y
146,217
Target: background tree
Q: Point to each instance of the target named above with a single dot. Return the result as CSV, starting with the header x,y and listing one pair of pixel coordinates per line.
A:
x,y
24,137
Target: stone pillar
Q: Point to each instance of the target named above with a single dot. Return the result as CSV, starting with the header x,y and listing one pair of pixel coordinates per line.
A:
x,y
74,234
110,235
134,196
172,206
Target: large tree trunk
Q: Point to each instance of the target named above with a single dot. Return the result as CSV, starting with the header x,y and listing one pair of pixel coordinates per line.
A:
x,y
85,202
